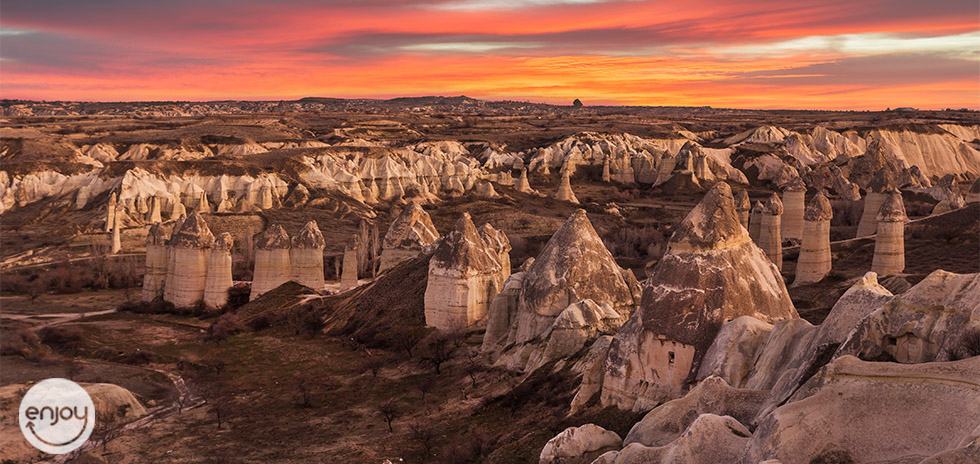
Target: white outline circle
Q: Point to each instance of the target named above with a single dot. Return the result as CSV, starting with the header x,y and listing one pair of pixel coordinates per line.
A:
x,y
57,397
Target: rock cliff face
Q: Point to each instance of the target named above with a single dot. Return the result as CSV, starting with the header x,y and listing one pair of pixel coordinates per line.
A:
x,y
408,234
712,273
465,274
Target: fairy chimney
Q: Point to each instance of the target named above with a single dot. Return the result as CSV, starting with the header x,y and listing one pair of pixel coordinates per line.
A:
x,y
219,272
154,217
110,215
116,234
155,273
814,261
306,257
348,278
889,257
794,204
742,206
522,184
272,267
465,274
564,192
770,237
191,246
881,183
407,235
755,221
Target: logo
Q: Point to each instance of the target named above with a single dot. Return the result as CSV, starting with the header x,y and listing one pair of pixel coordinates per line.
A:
x,y
57,416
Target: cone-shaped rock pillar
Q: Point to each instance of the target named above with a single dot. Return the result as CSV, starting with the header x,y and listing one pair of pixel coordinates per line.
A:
x,y
155,269
889,255
116,232
814,262
711,273
178,210
606,177
272,267
348,279
755,221
464,275
306,257
522,184
154,217
219,272
770,237
406,236
110,213
191,246
794,204
742,206
881,183
564,192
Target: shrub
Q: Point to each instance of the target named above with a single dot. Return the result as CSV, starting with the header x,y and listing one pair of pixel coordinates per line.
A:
x,y
63,338
237,297
305,320
260,322
226,326
21,342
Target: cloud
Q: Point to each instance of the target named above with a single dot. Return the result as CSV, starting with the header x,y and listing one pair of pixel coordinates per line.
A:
x,y
765,53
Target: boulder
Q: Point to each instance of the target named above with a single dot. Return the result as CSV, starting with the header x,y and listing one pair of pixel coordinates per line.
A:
x,y
579,445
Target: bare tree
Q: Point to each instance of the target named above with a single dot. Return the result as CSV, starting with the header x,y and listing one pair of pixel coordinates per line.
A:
x,y
425,385
72,368
374,364
439,351
388,411
424,435
408,338
109,426
304,383
210,383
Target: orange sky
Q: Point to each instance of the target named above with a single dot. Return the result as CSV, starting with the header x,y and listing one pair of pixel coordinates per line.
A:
x,y
753,54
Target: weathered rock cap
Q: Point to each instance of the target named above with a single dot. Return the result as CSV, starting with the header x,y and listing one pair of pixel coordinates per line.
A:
x,y
758,207
309,237
882,181
223,242
156,235
275,237
742,201
774,206
412,228
795,185
712,224
193,233
464,249
818,209
494,238
893,209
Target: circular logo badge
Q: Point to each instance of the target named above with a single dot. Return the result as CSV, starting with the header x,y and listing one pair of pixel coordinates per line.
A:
x,y
57,416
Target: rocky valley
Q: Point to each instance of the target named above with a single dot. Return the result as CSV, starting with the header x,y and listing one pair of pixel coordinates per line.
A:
x,y
447,279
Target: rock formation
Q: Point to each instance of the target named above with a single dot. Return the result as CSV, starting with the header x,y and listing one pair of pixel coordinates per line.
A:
x,y
794,202
465,274
742,206
272,266
564,192
407,235
814,262
877,188
116,246
178,210
579,443
219,272
770,236
155,269
926,323
153,216
712,273
349,275
889,257
306,257
190,246
522,184
755,221
569,295
110,213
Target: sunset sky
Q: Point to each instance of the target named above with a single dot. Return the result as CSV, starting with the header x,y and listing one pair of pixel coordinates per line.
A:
x,y
817,54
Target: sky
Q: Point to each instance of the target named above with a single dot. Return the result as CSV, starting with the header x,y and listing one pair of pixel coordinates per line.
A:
x,y
819,54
